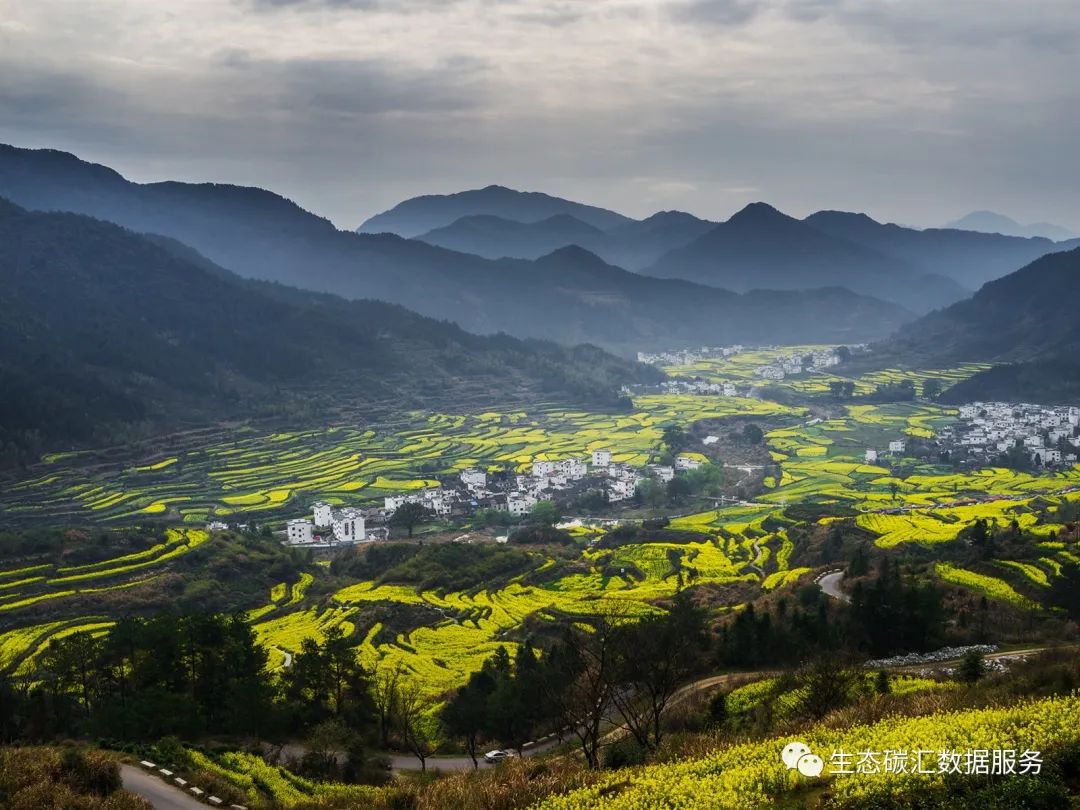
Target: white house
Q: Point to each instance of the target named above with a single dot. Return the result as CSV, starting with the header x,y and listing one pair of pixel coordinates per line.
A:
x,y
348,525
323,514
391,503
686,463
870,457
621,490
896,446
601,458
299,530
542,468
1048,455
474,478
663,472
572,468
729,389
519,504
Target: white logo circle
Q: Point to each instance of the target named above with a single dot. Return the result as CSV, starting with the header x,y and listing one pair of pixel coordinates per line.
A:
x,y
791,753
811,765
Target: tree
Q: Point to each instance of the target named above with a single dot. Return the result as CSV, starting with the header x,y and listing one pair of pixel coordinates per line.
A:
x,y
465,714
385,692
1065,590
752,434
972,667
675,437
414,724
931,388
545,513
678,488
579,680
842,388
410,515
655,656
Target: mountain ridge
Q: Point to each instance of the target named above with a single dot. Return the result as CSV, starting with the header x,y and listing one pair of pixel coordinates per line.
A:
x,y
257,234
102,329
427,212
759,246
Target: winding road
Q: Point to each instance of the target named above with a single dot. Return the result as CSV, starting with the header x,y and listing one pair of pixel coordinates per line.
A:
x,y
830,585
160,794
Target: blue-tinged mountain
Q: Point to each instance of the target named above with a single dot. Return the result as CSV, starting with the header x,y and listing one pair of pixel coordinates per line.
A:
x,y
1025,322
968,257
496,237
992,222
420,215
257,234
105,334
759,247
638,244
632,245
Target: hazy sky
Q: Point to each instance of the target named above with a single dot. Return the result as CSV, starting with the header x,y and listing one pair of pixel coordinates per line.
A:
x,y
915,111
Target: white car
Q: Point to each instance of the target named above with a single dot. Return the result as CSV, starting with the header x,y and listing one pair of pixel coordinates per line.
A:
x,y
498,755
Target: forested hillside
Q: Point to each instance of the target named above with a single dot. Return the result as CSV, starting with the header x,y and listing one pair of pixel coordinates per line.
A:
x,y
102,330
1025,320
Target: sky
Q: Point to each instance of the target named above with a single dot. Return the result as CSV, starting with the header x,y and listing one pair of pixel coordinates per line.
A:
x,y
914,111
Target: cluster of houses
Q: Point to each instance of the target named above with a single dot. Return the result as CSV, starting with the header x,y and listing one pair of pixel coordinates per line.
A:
x,y
896,448
1048,435
475,489
330,527
720,389
549,479
685,357
787,365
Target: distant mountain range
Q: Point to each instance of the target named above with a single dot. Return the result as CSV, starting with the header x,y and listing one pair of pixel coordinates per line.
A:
x,y
759,247
422,214
990,222
1025,321
569,296
633,245
102,330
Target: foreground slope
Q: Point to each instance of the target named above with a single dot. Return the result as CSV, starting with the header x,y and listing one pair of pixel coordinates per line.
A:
x,y
101,327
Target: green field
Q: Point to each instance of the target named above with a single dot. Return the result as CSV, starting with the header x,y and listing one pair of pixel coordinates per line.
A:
x,y
282,473
904,501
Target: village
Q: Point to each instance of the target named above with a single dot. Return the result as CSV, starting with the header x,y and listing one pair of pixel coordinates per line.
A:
x,y
1043,436
475,489
783,364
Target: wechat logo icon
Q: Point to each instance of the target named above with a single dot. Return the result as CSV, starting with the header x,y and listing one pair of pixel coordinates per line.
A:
x,y
798,756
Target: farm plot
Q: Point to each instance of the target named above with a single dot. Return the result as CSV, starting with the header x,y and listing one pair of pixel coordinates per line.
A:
x,y
278,474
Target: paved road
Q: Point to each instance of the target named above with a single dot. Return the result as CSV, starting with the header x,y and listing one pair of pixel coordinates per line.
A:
x,y
830,586
160,794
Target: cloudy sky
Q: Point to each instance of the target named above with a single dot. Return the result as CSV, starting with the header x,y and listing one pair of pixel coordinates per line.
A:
x,y
915,111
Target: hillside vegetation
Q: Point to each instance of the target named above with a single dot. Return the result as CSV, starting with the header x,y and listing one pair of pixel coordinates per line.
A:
x,y
103,331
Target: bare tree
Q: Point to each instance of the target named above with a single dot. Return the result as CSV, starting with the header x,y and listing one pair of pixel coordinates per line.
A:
x,y
655,657
581,683
385,689
415,723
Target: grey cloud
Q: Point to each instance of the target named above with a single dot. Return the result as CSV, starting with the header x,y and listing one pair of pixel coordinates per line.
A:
x,y
361,86
716,12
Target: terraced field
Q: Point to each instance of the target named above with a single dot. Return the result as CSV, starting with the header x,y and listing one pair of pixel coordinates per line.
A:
x,y
902,500
740,369
281,473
